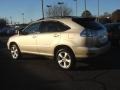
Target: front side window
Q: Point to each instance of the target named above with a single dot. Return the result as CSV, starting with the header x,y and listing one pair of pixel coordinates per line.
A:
x,y
33,28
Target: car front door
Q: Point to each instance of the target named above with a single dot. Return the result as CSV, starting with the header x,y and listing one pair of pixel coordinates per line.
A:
x,y
27,41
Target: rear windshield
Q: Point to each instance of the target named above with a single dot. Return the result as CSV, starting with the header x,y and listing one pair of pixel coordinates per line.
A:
x,y
88,23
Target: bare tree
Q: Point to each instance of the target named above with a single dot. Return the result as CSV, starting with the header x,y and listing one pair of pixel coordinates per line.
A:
x,y
116,16
86,14
58,11
3,22
66,11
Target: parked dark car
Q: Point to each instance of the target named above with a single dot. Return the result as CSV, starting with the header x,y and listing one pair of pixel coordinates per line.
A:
x,y
7,31
113,32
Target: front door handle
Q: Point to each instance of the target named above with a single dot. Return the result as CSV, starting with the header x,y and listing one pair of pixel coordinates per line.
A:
x,y
34,36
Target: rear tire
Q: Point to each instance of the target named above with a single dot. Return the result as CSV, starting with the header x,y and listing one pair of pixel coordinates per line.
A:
x,y
65,58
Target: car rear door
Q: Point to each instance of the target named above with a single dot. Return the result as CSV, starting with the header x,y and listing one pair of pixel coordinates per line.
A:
x,y
48,37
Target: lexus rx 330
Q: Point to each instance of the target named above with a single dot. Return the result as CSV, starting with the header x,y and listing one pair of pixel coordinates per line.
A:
x,y
65,39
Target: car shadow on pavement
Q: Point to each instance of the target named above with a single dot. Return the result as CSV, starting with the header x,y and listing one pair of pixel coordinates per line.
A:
x,y
107,61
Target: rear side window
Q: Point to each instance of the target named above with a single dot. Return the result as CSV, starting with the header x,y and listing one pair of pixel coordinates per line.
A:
x,y
52,26
33,28
89,24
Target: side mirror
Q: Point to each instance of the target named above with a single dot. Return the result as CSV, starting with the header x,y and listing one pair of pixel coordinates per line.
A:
x,y
17,32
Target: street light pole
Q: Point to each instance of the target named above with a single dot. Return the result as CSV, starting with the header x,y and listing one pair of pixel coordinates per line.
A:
x,y
23,17
49,10
98,9
10,20
42,8
61,3
85,6
76,6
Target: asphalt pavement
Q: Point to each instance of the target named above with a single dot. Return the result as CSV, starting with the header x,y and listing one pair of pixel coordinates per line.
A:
x,y
41,73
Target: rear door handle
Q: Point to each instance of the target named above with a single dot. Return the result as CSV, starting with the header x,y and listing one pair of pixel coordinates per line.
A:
x,y
56,35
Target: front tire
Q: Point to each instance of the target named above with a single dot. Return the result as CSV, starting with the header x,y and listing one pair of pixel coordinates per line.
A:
x,y
15,52
65,59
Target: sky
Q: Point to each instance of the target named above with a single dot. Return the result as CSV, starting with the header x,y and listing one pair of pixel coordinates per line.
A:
x,y
32,8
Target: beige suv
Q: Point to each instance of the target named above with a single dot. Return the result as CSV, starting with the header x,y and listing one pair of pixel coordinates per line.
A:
x,y
63,38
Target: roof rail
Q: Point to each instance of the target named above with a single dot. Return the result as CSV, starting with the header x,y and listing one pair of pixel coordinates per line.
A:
x,y
58,17
73,17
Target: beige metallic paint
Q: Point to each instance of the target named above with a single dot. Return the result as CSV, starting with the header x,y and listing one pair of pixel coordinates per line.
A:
x,y
45,43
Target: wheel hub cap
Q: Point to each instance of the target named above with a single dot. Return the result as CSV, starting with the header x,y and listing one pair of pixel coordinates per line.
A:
x,y
64,60
14,52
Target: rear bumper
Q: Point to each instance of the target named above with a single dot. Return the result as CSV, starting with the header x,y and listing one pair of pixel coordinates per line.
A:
x,y
83,52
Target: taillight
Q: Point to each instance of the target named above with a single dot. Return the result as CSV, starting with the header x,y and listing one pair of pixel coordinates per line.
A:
x,y
88,33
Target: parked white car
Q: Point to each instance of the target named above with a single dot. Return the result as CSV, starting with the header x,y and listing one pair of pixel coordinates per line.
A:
x,y
65,39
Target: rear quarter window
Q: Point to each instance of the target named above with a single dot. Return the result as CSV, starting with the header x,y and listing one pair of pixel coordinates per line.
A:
x,y
89,24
